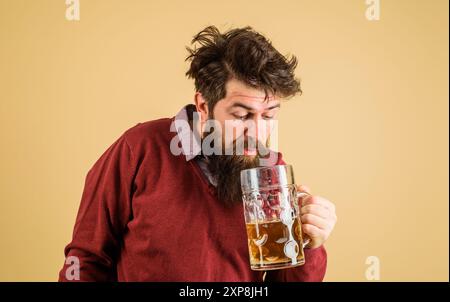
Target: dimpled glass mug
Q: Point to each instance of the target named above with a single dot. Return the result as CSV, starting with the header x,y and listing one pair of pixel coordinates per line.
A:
x,y
272,217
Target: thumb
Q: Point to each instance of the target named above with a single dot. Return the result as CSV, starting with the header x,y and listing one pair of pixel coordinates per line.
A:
x,y
302,199
303,188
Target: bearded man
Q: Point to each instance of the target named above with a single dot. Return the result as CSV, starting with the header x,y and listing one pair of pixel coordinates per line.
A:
x,y
164,203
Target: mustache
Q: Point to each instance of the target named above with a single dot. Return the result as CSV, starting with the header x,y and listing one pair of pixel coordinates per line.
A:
x,y
238,146
242,144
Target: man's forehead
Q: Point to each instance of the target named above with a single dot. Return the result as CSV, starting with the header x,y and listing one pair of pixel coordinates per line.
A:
x,y
251,97
251,101
236,88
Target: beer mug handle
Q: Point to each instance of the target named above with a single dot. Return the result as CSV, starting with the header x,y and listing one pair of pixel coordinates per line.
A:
x,y
306,239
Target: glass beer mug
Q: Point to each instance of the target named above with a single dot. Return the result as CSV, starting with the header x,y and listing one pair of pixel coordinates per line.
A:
x,y
272,217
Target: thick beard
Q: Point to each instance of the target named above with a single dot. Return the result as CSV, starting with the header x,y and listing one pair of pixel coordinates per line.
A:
x,y
227,170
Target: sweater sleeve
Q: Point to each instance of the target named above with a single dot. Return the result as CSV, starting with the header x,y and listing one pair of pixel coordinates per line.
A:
x,y
312,271
104,212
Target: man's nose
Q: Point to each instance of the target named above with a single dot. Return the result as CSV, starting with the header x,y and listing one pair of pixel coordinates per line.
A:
x,y
256,124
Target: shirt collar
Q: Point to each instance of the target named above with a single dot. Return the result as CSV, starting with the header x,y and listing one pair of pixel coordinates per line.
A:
x,y
190,140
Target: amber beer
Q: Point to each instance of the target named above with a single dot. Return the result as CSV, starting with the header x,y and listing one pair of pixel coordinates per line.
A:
x,y
272,219
267,241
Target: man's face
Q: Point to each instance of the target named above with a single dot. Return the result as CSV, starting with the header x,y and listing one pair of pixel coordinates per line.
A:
x,y
247,113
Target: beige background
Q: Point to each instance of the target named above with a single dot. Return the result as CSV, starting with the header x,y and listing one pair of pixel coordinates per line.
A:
x,y
370,131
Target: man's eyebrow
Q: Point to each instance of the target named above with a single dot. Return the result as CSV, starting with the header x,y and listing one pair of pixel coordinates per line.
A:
x,y
243,106
250,108
274,106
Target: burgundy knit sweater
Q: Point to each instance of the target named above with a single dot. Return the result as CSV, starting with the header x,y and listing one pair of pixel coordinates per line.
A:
x,y
147,215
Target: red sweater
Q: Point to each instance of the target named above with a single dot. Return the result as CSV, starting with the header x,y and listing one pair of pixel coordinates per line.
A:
x,y
147,215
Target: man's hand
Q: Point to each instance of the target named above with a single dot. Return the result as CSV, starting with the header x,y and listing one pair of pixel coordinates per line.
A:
x,y
318,216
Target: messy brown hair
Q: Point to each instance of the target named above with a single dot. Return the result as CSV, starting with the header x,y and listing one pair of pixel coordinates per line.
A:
x,y
242,54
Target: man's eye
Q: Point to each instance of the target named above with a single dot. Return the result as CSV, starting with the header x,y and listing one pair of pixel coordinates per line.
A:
x,y
241,117
268,117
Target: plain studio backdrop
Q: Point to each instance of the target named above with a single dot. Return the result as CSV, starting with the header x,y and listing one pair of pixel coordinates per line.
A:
x,y
370,131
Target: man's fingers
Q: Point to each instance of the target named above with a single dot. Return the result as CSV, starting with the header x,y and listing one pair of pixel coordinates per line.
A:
x,y
318,200
317,210
312,231
317,221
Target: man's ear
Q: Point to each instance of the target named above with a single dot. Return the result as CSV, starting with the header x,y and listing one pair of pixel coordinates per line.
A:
x,y
202,106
